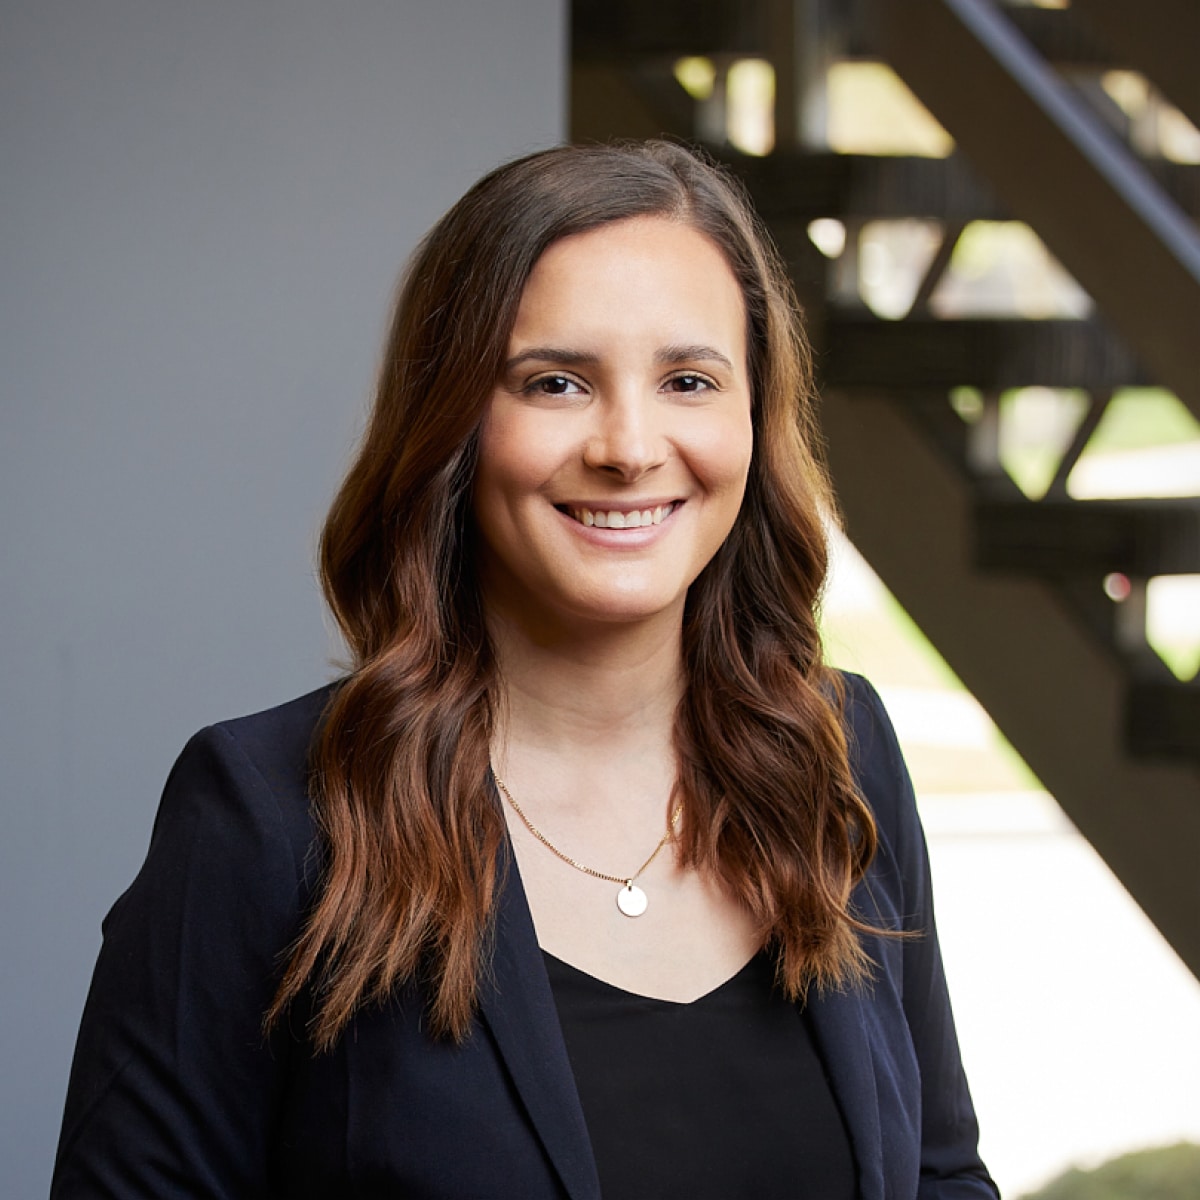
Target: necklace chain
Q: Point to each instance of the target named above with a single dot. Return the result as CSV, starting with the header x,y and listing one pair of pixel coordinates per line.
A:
x,y
626,880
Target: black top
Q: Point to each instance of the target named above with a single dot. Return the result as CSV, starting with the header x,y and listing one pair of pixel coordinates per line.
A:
x,y
722,1098
176,1094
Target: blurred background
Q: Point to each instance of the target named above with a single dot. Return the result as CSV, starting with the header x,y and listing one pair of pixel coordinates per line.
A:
x,y
989,211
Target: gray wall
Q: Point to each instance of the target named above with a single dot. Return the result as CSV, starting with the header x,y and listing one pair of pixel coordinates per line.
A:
x,y
203,208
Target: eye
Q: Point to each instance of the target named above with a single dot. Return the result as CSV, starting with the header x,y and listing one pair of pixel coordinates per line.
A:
x,y
689,383
552,385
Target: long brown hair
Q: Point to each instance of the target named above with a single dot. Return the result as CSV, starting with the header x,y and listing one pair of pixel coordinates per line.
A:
x,y
414,841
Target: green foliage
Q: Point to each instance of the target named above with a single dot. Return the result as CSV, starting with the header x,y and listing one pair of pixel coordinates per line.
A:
x,y
1142,417
1165,1173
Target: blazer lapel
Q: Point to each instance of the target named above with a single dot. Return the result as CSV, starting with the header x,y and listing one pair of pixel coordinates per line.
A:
x,y
518,1006
839,1025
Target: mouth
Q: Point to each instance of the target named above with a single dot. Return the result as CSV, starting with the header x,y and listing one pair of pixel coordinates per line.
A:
x,y
619,518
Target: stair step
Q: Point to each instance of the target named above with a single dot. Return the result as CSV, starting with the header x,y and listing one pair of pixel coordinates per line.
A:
x,y
861,351
795,186
800,186
1139,538
1061,36
626,30
622,29
1162,719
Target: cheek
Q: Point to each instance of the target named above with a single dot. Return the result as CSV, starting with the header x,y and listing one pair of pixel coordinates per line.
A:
x,y
518,454
502,469
721,454
496,437
493,472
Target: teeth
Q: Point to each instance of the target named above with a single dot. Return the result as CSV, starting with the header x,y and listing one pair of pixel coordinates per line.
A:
x,y
622,520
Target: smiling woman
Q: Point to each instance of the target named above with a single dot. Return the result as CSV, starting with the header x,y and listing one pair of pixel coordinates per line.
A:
x,y
374,948
614,453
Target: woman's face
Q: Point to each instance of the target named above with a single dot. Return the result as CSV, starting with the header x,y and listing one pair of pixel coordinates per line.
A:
x,y
616,445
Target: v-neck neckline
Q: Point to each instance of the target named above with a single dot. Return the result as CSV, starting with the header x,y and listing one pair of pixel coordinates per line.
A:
x,y
554,963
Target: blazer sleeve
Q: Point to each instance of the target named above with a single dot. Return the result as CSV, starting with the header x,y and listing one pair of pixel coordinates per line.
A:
x,y
950,1167
174,1086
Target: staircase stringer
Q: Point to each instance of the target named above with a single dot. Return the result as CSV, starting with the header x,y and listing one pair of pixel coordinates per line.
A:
x,y
1066,715
1059,169
1159,39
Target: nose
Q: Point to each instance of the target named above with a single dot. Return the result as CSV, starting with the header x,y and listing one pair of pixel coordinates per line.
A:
x,y
625,441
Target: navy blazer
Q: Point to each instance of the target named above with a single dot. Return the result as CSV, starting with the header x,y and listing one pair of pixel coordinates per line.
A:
x,y
175,1092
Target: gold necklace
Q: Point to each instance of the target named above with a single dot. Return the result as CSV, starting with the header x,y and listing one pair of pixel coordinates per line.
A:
x,y
631,900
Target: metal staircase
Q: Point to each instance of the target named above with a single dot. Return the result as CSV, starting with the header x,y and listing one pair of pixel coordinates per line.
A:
x,y
1010,589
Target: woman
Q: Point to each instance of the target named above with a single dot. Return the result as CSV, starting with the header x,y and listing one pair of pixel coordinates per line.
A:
x,y
590,877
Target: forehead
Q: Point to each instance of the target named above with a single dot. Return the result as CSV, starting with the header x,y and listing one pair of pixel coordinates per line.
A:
x,y
641,277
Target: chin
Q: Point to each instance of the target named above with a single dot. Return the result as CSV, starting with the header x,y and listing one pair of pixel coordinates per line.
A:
x,y
629,609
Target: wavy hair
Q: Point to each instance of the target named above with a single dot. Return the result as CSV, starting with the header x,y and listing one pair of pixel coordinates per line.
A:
x,y
414,841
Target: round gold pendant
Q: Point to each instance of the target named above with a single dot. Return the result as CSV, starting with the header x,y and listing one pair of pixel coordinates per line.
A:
x,y
631,900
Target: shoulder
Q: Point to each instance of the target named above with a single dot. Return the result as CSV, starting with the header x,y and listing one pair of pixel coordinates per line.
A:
x,y
276,739
173,1076
875,755
922,1068
234,855
262,757
236,811
895,888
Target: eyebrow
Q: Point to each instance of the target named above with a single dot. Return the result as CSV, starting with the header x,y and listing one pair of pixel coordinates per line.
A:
x,y
667,356
670,355
552,354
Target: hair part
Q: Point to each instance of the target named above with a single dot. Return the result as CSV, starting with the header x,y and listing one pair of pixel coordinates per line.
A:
x,y
414,840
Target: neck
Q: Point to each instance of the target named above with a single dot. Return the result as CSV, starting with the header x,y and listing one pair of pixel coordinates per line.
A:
x,y
585,731
587,696
573,689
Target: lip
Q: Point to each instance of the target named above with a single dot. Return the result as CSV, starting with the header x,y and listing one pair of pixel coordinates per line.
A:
x,y
632,537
